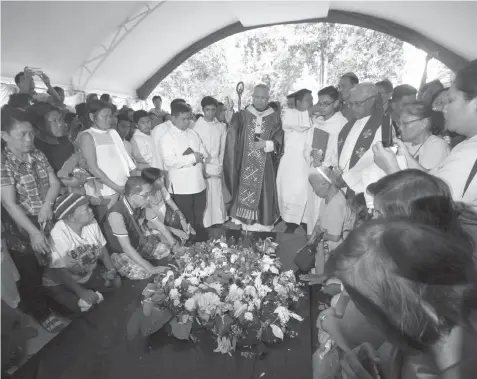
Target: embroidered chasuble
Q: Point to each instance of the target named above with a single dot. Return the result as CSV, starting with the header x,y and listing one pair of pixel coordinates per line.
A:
x,y
250,192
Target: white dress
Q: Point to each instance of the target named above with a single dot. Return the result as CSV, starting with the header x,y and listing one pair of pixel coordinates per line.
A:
x,y
292,177
213,135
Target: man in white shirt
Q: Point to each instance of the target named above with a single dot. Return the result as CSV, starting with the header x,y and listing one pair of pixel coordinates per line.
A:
x,y
143,149
184,155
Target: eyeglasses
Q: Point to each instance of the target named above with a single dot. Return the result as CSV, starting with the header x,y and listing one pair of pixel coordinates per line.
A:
x,y
359,103
324,105
405,123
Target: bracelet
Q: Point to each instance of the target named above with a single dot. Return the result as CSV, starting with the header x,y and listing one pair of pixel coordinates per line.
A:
x,y
49,202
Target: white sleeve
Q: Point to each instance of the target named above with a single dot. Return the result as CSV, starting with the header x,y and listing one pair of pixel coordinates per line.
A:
x,y
59,246
97,234
171,158
436,151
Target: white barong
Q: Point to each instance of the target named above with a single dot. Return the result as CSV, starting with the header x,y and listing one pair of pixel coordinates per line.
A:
x,y
213,135
292,177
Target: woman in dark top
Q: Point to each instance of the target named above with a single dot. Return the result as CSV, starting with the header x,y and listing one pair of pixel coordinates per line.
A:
x,y
52,138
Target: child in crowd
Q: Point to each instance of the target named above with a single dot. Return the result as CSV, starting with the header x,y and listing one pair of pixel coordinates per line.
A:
x,y
143,148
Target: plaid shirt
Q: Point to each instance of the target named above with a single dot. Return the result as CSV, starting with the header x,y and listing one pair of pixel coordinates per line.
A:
x,y
30,179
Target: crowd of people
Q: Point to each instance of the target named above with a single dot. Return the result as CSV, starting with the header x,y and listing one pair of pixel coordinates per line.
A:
x,y
380,177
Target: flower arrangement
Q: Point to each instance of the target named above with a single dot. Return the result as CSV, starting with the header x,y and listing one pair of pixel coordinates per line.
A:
x,y
239,294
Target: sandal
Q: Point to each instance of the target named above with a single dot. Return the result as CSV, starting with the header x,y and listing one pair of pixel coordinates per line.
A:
x,y
53,324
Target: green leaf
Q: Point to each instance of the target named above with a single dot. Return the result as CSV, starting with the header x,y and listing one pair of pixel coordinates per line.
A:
x,y
179,330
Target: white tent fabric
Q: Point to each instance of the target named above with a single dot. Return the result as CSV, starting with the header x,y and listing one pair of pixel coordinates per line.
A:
x,y
116,47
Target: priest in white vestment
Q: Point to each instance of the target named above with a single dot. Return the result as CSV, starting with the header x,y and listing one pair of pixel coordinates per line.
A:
x,y
292,177
213,135
331,121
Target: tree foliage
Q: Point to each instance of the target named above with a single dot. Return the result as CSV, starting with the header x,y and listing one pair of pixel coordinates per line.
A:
x,y
284,57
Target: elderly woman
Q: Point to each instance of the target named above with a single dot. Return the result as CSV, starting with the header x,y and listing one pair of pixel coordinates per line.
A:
x,y
106,157
458,169
413,283
29,190
420,134
77,244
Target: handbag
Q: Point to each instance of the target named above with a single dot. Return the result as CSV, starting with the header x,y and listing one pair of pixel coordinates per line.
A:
x,y
172,219
305,257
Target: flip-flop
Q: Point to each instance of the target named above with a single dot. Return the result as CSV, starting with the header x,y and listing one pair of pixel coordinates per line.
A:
x,y
53,324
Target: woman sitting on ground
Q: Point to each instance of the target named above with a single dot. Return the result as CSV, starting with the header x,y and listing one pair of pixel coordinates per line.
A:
x,y
77,244
129,230
162,205
413,283
29,190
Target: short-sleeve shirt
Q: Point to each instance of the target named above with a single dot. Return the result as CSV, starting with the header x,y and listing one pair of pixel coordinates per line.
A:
x,y
78,254
431,153
336,218
30,178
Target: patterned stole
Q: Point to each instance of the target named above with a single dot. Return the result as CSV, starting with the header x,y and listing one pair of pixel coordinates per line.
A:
x,y
253,163
365,139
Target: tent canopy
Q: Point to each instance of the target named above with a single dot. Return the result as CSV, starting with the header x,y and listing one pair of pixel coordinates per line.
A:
x,y
127,48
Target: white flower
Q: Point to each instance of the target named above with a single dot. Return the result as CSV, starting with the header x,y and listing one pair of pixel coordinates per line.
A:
x,y
202,265
190,304
266,267
223,245
217,253
174,294
296,317
166,278
251,291
274,270
235,293
208,302
178,282
280,290
233,258
176,302
283,314
248,316
192,289
232,270
194,281
217,287
239,308
189,268
266,260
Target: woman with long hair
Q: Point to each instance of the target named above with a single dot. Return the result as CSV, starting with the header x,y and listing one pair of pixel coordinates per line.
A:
x,y
415,284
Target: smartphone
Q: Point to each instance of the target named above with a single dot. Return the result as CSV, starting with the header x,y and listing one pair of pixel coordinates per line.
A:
x,y
340,307
386,131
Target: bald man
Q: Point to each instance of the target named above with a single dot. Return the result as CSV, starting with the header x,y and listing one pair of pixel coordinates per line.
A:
x,y
355,140
253,148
